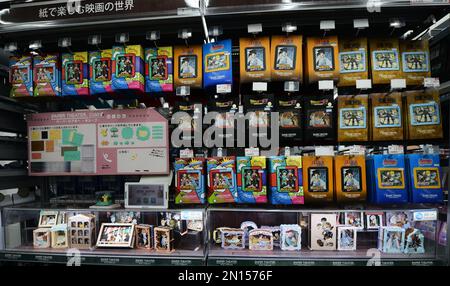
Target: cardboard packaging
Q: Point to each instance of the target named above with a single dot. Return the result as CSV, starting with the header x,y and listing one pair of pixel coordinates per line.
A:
x,y
75,74
353,118
286,180
415,57
255,63
189,180
322,58
385,60
350,172
424,114
290,114
286,55
128,68
258,109
318,183
100,72
217,64
322,235
387,116
47,75
159,69
226,108
251,179
319,118
353,61
221,180
425,179
21,75
188,66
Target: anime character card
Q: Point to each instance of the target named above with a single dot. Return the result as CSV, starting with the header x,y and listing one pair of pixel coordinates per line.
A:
x,y
322,58
393,239
46,72
75,74
221,180
188,66
425,185
318,179
385,60
251,179
415,61
21,76
286,54
217,63
100,72
387,116
189,181
350,171
352,60
353,118
159,69
254,59
424,114
128,68
318,172
346,238
285,180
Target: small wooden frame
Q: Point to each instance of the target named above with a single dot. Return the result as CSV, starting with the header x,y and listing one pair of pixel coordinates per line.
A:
x,y
116,235
260,239
163,239
81,231
48,218
60,236
41,238
143,236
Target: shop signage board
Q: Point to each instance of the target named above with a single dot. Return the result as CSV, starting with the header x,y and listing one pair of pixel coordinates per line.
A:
x,y
99,142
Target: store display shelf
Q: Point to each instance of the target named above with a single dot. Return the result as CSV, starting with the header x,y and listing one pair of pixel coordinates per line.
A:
x,y
12,172
306,257
123,257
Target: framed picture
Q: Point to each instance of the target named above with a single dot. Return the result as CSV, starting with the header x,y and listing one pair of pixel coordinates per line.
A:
x,y
260,239
285,57
323,58
319,119
399,219
287,180
20,74
276,234
393,240
385,60
116,235
124,217
387,116
60,236
351,179
102,69
48,218
217,234
289,119
45,73
318,179
74,72
251,179
125,65
143,236
187,66
347,238
427,178
41,238
158,69
189,180
414,241
350,62
424,114
354,219
352,118
391,178
247,226
146,195
323,231
221,178
255,59
374,220
163,237
415,62
291,237
233,239
217,62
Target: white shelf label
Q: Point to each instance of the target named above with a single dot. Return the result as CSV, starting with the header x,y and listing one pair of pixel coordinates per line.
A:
x,y
259,86
252,151
360,23
363,84
425,216
291,86
431,82
324,150
395,149
357,150
287,151
191,215
254,28
183,90
398,83
326,85
223,88
186,153
327,25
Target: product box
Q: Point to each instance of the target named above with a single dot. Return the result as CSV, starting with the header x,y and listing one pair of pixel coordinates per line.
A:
x,y
226,108
255,63
159,69
290,114
47,75
385,60
425,179
286,180
353,62
217,64
184,120
189,180
322,235
128,68
100,72
387,179
319,118
188,66
319,181
322,58
287,54
258,107
353,118
350,172
251,179
424,114
391,239
415,57
21,75
221,172
387,116
75,74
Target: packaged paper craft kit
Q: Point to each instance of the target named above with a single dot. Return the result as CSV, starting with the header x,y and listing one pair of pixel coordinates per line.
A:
x,y
188,66
415,57
387,119
128,68
100,72
75,74
287,54
350,173
221,180
353,62
255,64
322,58
217,64
385,57
318,183
21,75
251,179
353,120
47,75
189,180
286,180
159,69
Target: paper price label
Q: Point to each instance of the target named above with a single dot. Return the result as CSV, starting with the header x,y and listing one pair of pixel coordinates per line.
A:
x,y
252,152
260,86
254,28
398,83
363,84
357,150
326,85
223,88
431,82
291,86
186,153
324,150
191,215
183,90
395,149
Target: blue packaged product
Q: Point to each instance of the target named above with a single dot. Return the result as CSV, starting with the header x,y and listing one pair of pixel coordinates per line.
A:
x,y
425,179
217,63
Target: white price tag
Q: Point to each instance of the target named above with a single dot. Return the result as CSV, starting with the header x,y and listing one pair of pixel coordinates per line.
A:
x,y
399,83
395,149
324,150
254,28
363,84
327,25
357,150
291,86
223,88
425,215
326,85
259,86
431,82
360,23
252,151
186,153
287,151
219,152
191,215
183,90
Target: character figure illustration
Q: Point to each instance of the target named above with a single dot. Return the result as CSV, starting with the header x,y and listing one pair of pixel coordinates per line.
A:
x,y
319,119
323,59
353,118
351,180
255,59
158,68
427,178
424,114
391,178
387,117
318,180
285,58
288,120
327,233
188,67
385,60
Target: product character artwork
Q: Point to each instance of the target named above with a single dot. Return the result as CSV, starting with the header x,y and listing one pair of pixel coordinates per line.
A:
x,y
323,232
189,180
290,237
251,179
233,239
260,239
21,75
221,180
286,181
347,238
